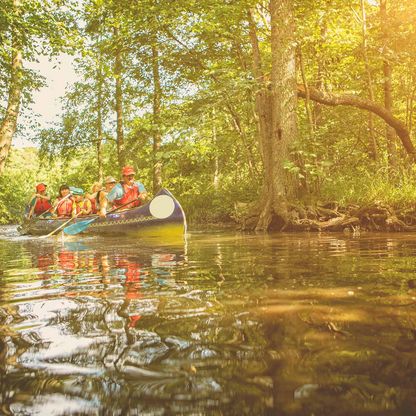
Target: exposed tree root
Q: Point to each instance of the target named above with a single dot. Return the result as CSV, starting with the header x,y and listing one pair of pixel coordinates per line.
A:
x,y
332,217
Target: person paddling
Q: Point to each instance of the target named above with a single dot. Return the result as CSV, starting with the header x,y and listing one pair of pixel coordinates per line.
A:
x,y
103,203
94,196
64,204
39,202
128,190
83,205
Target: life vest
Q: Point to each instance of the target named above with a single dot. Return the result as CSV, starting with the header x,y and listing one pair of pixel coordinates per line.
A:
x,y
64,208
131,193
94,205
82,205
41,206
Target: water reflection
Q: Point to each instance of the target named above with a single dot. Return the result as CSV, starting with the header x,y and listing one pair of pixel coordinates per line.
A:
x,y
233,324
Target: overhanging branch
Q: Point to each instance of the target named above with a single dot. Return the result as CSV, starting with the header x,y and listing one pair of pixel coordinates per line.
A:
x,y
363,104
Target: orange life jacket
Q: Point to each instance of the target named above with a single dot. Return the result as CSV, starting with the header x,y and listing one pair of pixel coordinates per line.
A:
x,y
64,208
131,193
41,206
94,207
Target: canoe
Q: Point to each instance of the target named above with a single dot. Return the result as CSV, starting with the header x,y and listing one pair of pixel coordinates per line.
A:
x,y
162,216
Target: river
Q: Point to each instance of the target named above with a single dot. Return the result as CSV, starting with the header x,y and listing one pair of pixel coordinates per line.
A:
x,y
221,324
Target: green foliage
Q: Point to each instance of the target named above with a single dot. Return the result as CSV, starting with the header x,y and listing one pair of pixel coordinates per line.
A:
x,y
16,185
364,187
207,119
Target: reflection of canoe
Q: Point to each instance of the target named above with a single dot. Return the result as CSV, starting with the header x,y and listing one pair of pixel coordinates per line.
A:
x,y
162,216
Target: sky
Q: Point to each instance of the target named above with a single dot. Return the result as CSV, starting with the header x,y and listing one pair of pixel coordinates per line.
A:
x,y
59,73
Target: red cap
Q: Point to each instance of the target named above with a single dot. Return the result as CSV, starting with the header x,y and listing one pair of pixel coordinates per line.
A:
x,y
128,170
41,187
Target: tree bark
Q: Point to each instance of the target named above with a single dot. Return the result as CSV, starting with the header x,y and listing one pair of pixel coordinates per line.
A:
x,y
118,68
276,109
387,74
99,140
262,98
320,76
242,134
370,88
9,123
157,137
307,97
364,104
216,181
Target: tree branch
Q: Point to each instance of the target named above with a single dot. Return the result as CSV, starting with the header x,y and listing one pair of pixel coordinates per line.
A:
x,y
363,104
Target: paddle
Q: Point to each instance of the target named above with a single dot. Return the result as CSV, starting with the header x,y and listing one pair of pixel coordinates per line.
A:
x,y
29,221
83,225
60,227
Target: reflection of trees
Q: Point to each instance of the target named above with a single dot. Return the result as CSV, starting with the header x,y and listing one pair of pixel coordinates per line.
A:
x,y
251,325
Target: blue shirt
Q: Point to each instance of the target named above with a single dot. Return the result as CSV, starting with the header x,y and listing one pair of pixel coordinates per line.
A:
x,y
118,191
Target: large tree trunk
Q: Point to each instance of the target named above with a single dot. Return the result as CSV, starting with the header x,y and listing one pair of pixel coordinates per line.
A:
x,y
9,123
118,67
157,136
280,127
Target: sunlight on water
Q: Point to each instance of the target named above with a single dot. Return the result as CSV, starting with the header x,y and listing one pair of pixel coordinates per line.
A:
x,y
226,323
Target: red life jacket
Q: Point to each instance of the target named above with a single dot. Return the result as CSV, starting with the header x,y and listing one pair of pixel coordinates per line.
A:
x,y
41,206
131,193
64,208
94,209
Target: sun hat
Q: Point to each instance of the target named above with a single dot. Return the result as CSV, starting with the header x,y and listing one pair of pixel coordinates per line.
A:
x,y
76,191
110,179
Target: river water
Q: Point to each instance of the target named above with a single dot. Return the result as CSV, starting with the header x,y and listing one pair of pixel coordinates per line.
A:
x,y
222,324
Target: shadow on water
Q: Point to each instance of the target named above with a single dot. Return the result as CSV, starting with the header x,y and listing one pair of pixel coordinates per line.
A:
x,y
227,324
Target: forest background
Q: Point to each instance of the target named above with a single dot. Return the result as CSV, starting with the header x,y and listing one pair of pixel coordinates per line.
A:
x,y
234,106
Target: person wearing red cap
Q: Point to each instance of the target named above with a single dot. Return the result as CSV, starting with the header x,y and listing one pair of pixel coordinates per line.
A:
x,y
127,190
39,202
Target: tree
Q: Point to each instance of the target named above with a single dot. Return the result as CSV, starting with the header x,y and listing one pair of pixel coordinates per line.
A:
x,y
275,107
30,28
9,122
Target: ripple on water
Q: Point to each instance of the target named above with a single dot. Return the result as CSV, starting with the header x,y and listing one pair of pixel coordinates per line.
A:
x,y
53,404
230,324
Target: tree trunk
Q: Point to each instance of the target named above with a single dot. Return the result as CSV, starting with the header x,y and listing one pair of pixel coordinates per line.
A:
x,y
9,123
99,121
263,113
320,76
387,73
216,181
236,123
118,67
370,88
157,137
307,98
276,110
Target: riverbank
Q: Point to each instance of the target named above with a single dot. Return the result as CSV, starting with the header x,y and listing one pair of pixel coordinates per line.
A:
x,y
378,217
331,217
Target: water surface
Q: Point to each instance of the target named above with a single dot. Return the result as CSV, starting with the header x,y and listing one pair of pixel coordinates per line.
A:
x,y
288,324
